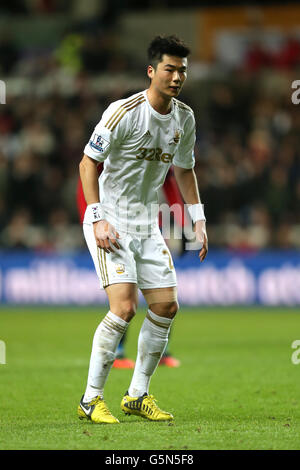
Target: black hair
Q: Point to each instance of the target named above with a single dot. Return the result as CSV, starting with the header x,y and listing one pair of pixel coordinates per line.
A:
x,y
170,45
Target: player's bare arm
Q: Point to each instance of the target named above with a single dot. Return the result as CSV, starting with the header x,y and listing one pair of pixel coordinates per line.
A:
x,y
105,233
188,186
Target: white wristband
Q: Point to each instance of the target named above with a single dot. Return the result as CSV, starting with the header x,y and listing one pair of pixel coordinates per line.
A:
x,y
96,212
196,212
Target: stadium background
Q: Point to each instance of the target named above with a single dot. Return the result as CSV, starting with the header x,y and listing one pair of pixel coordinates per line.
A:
x,y
63,61
236,333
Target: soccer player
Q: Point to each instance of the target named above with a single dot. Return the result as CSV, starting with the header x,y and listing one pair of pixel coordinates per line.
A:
x,y
138,139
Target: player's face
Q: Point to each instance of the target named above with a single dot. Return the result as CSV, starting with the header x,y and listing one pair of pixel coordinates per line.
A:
x,y
169,75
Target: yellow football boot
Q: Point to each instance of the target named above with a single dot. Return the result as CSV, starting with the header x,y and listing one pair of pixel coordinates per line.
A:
x,y
96,410
144,406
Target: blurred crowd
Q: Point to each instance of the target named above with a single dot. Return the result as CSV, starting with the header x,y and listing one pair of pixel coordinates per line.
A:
x,y
248,162
247,151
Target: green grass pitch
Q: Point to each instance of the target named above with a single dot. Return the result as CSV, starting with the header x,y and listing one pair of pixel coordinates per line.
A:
x,y
237,387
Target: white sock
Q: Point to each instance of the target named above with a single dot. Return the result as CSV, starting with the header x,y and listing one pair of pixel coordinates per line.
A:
x,y
106,340
153,339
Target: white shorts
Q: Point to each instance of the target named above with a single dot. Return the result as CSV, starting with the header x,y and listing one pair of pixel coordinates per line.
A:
x,y
146,262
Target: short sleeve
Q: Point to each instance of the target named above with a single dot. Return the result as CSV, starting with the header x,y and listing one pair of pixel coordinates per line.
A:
x,y
184,156
105,135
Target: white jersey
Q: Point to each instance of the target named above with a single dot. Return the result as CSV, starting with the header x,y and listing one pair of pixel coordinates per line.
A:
x,y
138,145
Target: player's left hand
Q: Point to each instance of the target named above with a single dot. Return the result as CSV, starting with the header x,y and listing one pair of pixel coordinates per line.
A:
x,y
201,236
106,236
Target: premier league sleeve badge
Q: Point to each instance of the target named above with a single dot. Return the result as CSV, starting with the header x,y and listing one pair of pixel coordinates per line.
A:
x,y
98,143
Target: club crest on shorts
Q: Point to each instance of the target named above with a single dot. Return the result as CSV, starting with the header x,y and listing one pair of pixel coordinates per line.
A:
x,y
166,252
120,268
98,143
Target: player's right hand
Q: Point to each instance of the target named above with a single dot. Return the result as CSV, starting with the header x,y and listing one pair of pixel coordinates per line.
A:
x,y
106,236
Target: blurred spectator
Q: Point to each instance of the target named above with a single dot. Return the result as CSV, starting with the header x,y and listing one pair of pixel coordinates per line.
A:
x,y
289,55
9,53
51,186
20,233
257,57
23,183
277,194
37,138
61,234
